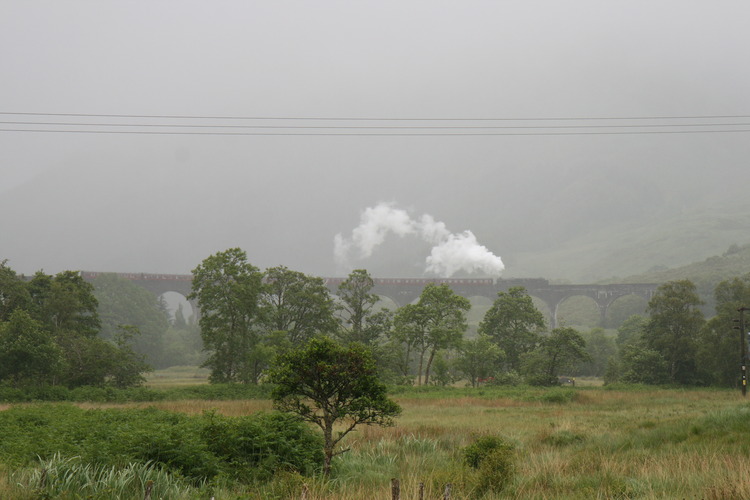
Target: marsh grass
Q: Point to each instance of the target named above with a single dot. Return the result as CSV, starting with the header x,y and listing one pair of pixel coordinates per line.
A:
x,y
588,443
71,478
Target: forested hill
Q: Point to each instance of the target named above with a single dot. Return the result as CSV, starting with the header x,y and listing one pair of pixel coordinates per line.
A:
x,y
733,263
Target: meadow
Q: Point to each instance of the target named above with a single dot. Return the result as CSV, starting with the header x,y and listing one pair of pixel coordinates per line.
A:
x,y
569,443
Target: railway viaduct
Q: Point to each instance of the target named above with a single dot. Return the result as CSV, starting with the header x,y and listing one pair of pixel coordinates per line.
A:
x,y
404,291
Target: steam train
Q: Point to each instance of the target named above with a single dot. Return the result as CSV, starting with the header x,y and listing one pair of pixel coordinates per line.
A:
x,y
416,282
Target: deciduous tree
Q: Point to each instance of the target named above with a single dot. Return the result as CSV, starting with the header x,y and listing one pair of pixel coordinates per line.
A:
x,y
719,347
28,353
121,302
13,292
559,351
360,321
297,304
514,323
479,358
227,289
674,324
437,321
328,384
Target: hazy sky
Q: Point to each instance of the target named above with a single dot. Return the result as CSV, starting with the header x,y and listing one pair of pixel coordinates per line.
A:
x,y
161,202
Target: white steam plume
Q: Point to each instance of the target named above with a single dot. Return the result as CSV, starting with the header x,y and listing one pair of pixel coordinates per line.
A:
x,y
451,252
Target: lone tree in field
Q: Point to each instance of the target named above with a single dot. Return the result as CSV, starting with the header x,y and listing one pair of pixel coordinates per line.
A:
x,y
326,383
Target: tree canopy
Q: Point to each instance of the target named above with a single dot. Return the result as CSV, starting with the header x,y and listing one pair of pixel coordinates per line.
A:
x,y
326,384
123,304
297,304
673,328
559,351
49,334
227,288
437,321
514,323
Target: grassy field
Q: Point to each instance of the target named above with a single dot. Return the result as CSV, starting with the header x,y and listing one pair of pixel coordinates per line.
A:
x,y
177,376
582,443
571,443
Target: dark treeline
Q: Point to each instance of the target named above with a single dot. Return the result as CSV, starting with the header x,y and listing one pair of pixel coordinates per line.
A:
x,y
60,330
249,317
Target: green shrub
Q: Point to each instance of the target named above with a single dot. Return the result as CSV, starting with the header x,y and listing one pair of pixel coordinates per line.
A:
x,y
196,447
109,394
479,450
263,444
493,459
496,470
541,380
511,378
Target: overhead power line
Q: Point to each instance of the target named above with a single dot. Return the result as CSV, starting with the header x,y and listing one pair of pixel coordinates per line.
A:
x,y
374,127
344,118
82,123
385,134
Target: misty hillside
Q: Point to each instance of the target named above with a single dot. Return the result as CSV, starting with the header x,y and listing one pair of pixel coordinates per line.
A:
x,y
579,224
706,274
616,251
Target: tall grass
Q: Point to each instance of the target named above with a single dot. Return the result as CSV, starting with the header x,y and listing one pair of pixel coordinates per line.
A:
x,y
577,443
71,478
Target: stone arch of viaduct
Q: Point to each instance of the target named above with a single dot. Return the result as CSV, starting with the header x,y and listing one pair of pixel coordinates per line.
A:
x,y
404,291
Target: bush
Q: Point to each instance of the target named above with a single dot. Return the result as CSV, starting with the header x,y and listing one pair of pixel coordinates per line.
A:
x,y
264,444
196,447
496,471
479,450
511,378
493,458
541,380
110,394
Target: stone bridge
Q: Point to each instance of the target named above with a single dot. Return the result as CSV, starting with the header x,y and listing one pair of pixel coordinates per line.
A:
x,y
404,291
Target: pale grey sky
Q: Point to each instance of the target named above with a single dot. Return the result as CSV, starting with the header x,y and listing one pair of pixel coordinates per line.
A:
x,y
161,203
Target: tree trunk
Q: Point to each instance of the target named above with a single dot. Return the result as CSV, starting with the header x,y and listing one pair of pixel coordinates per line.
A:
x,y
327,447
421,362
427,369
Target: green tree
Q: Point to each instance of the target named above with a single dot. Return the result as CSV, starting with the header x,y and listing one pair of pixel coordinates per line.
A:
x,y
437,321
59,318
121,302
673,328
408,337
328,384
479,358
641,364
28,353
359,319
227,289
562,350
179,321
600,348
297,304
13,292
719,347
65,304
514,324
128,366
631,329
